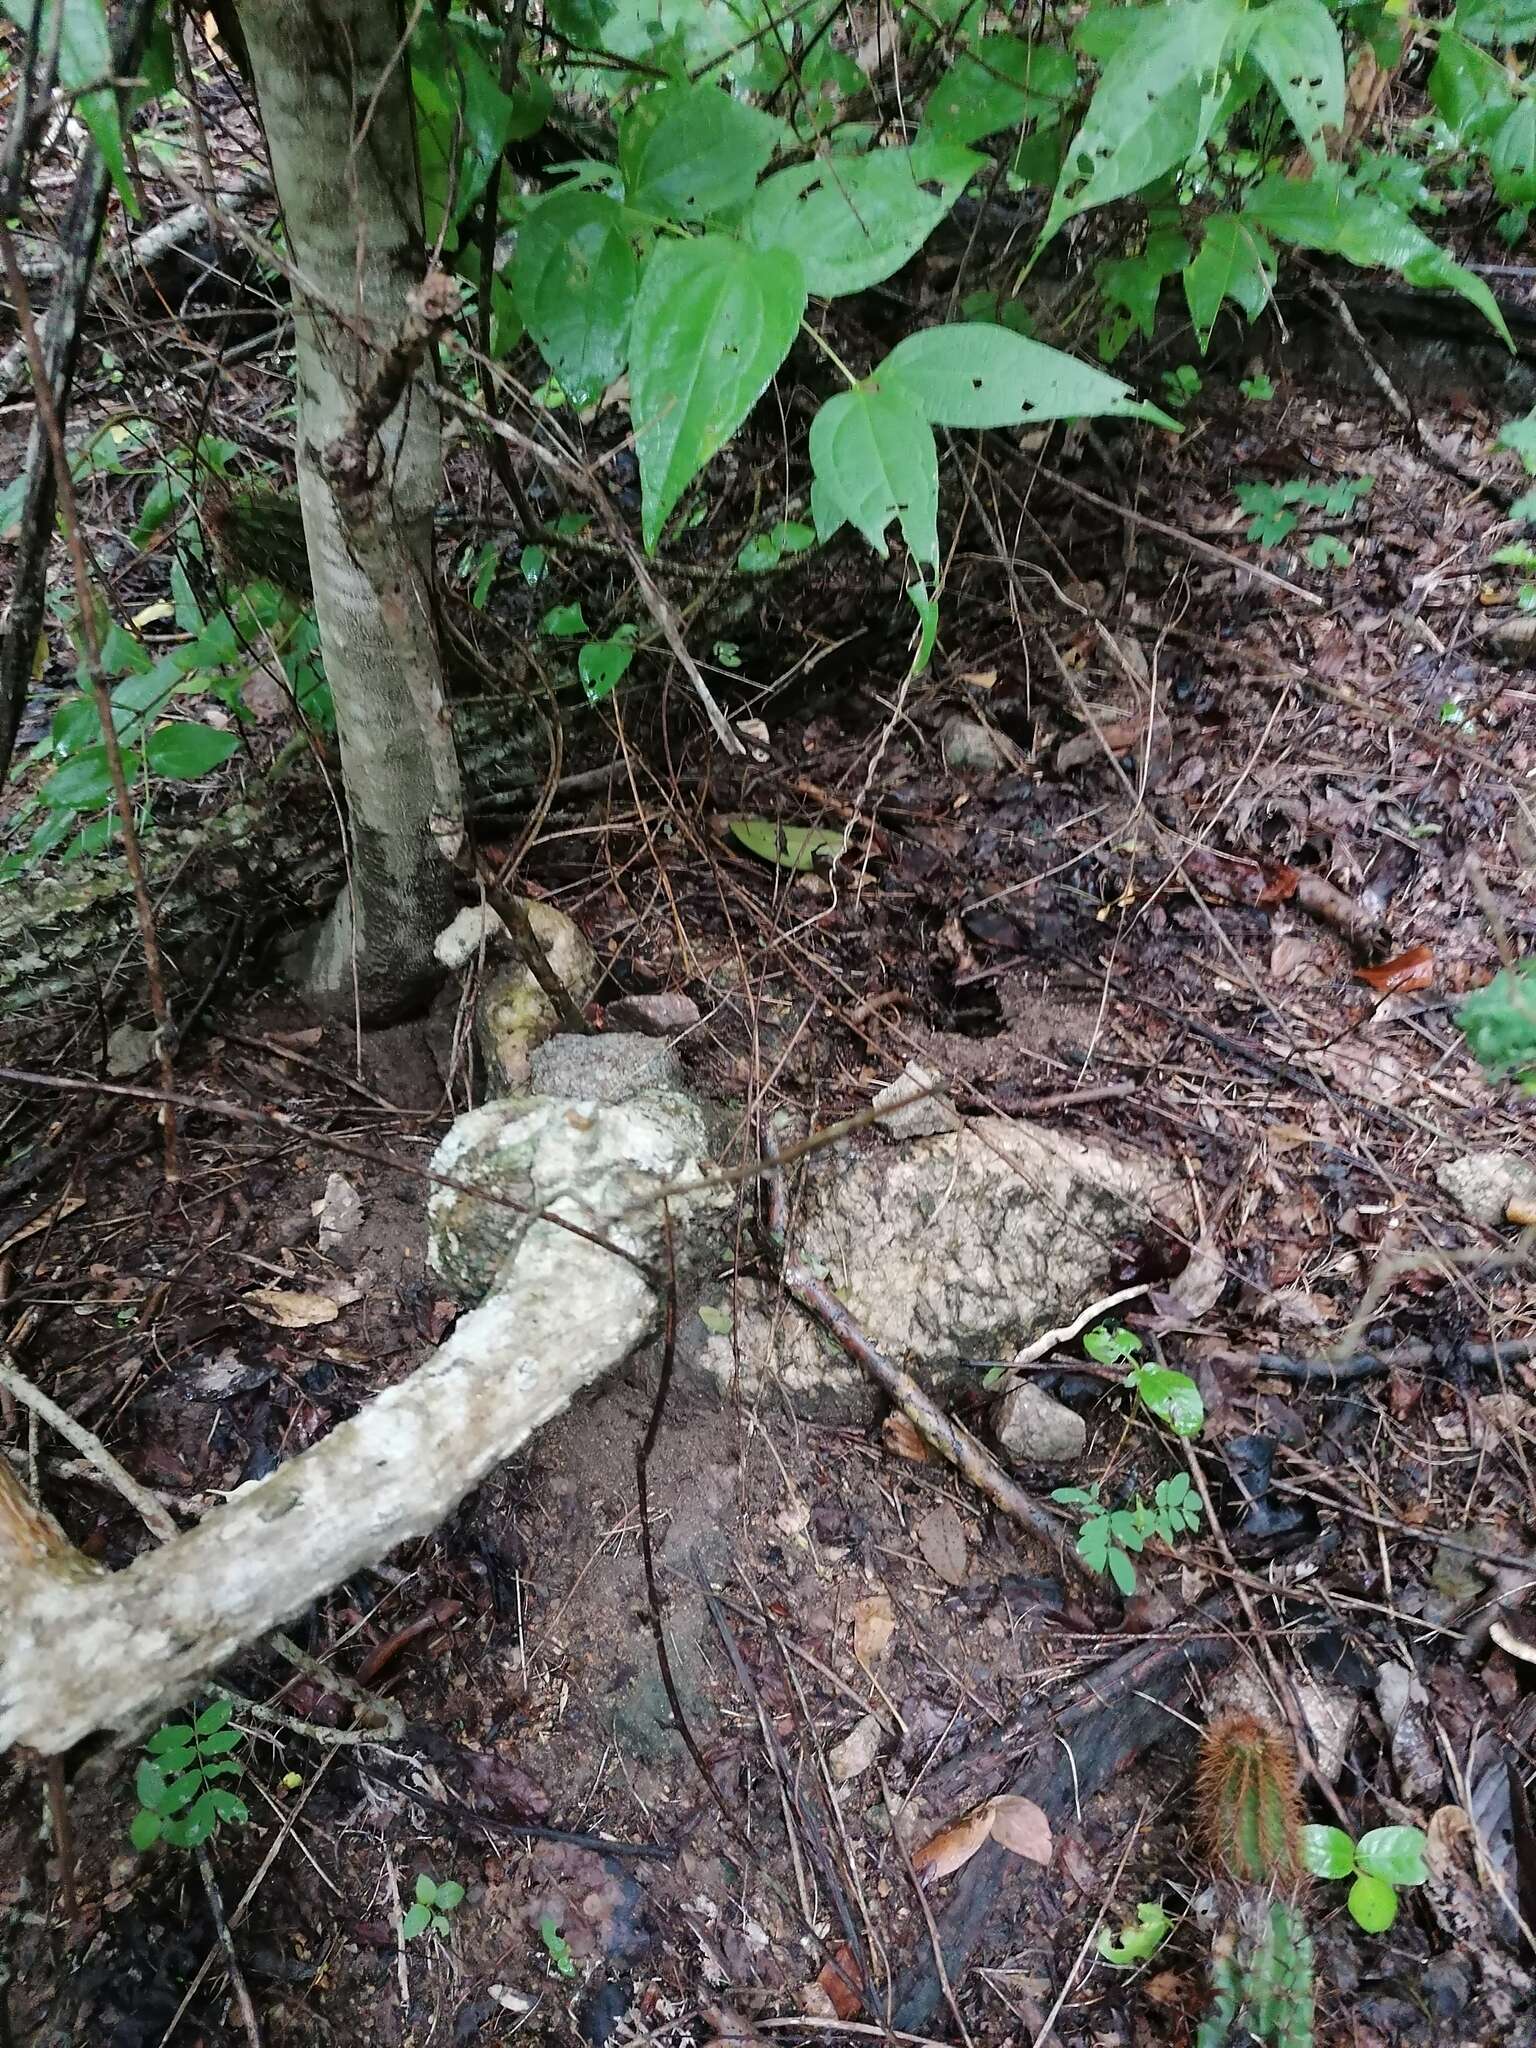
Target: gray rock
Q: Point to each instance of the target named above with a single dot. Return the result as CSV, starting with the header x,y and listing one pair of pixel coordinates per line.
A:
x,y
967,743
662,1016
1035,1429
1484,1184
607,1066
925,1117
129,1049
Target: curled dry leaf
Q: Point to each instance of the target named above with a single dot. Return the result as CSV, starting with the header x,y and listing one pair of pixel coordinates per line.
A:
x,y
1018,1824
874,1623
289,1309
1402,974
1223,878
902,1440
1513,1645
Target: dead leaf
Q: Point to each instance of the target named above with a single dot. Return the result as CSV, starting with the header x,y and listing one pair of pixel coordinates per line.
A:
x,y
1402,974
1198,1288
1021,1826
1521,1210
1507,1640
841,1985
286,1310
54,1213
857,1750
941,1539
1220,878
902,1440
953,1847
874,1623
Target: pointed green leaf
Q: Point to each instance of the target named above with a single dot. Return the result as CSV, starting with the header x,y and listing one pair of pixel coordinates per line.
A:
x,y
974,374
573,282
183,751
1172,1397
1296,45
1000,82
689,151
1155,105
174,1734
1235,262
426,1890
1512,155
1123,1572
852,221
602,665
221,1742
787,846
213,1718
81,784
713,321
874,455
1470,90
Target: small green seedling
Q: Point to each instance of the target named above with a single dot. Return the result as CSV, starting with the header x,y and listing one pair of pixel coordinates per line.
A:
x,y
1171,1396
1499,1024
180,1800
1257,390
1272,518
557,1947
434,1902
1109,1535
1380,1864
1135,1944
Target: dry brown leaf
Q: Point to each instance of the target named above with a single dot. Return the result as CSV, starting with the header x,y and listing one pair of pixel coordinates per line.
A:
x,y
54,1213
941,1539
874,1623
1400,975
1507,1640
289,1310
1199,1287
1021,1826
953,1847
841,1984
902,1440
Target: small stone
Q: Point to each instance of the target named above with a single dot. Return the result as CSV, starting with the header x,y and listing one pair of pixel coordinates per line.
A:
x,y
857,1750
663,1016
967,743
340,1212
1485,1185
475,926
907,1111
129,1049
607,1066
1035,1429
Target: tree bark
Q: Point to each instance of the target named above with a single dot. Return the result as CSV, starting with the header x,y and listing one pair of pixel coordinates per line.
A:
x,y
333,81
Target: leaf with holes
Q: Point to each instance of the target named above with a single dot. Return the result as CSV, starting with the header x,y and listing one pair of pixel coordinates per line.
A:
x,y
1235,262
1295,43
689,151
713,321
875,460
1000,82
602,665
1156,103
573,282
852,221
973,374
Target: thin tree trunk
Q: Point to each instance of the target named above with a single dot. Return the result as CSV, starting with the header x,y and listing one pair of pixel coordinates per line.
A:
x,y
333,80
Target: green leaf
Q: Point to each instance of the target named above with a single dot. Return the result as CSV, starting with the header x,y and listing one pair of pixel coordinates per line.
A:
x,y
689,151
1094,1542
787,846
1123,1572
144,1829
173,1735
1172,1397
1523,508
81,784
1512,155
760,553
149,1785
228,1806
1393,1854
416,1921
85,59
1373,1904
1295,43
183,751
426,1890
875,460
1139,1942
926,604
573,281
1497,21
463,118
1155,105
182,1793
601,665
713,321
852,221
718,1321
1111,1343
1000,82
973,374
213,1718
1235,262
221,1742
1519,436
557,1947
564,621
1075,1496
1327,551
531,564
1327,1852
172,1762
1326,212
1470,90
449,1893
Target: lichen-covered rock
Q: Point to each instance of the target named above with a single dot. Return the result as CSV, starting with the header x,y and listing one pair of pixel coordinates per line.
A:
x,y
964,1245
1486,1185
597,1164
514,1013
609,1066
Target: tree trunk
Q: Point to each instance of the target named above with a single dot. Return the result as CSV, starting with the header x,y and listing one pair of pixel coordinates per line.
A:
x,y
333,80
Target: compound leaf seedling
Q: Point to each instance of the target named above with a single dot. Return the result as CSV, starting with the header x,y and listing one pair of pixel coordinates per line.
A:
x,y
1135,1944
180,1800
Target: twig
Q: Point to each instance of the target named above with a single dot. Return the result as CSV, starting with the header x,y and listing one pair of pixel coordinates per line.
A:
x,y
1052,1338
1364,1365
63,1835
237,1983
90,1447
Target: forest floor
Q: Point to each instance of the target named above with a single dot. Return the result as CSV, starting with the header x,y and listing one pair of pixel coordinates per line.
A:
x,y
1206,861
